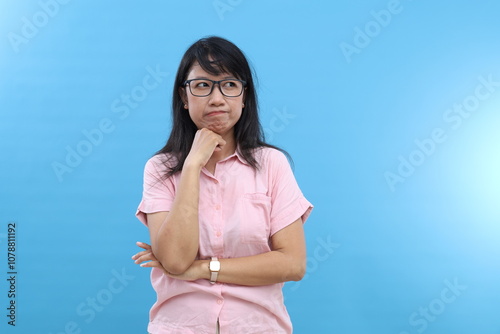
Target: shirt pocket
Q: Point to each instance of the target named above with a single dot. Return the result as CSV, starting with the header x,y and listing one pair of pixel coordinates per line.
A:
x,y
256,218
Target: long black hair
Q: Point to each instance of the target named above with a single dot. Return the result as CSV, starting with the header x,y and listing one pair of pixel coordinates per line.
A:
x,y
215,55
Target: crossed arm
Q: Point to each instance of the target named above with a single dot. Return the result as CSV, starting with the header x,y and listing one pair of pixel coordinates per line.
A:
x,y
285,262
174,235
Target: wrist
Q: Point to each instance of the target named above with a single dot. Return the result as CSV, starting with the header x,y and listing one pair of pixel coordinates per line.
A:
x,y
204,269
190,166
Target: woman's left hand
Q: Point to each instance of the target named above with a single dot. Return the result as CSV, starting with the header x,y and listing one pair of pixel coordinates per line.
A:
x,y
147,259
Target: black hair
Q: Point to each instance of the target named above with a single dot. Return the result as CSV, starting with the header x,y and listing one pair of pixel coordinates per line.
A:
x,y
215,55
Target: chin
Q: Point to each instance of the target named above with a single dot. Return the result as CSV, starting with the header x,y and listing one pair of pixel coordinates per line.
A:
x,y
219,127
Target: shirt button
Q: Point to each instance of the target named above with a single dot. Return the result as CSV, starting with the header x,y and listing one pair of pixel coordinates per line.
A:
x,y
217,207
219,301
219,233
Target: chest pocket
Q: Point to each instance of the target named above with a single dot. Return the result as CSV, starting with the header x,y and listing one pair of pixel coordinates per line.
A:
x,y
256,218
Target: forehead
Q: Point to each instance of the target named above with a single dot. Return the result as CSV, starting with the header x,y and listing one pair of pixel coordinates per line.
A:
x,y
196,71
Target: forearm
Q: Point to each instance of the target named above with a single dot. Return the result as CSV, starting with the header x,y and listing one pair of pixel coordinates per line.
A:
x,y
176,243
263,269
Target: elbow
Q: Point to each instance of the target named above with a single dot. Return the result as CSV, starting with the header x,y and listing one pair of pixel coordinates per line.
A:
x,y
175,265
298,275
298,272
175,268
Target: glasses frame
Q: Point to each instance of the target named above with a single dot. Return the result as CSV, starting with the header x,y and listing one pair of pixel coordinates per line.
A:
x,y
188,83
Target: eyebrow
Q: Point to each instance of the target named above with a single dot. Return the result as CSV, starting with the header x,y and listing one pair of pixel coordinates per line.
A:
x,y
224,78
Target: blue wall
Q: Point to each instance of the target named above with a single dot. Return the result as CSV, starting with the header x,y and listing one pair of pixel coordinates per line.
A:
x,y
390,110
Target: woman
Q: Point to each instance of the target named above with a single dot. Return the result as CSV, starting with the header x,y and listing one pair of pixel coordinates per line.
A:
x,y
223,208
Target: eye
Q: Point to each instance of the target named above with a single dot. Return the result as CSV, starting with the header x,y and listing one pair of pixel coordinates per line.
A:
x,y
230,83
202,84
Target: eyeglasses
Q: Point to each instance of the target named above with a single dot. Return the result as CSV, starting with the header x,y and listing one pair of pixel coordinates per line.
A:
x,y
204,87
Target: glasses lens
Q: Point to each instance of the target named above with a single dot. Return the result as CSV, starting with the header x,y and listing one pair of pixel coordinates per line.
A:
x,y
200,87
231,87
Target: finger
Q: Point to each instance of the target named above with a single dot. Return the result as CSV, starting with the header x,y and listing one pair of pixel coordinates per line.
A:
x,y
141,254
145,257
222,142
156,264
143,245
151,264
219,143
136,255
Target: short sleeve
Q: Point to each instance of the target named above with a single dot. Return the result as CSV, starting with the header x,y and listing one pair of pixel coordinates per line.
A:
x,y
288,202
158,191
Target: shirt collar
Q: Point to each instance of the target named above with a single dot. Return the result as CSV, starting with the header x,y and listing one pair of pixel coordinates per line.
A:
x,y
237,155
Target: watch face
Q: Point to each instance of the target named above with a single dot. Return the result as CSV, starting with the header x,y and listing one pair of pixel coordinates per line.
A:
x,y
214,266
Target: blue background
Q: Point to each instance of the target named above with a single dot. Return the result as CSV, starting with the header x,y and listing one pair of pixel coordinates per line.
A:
x,y
354,90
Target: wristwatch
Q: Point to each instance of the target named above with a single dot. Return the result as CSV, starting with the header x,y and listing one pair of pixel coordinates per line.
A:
x,y
214,267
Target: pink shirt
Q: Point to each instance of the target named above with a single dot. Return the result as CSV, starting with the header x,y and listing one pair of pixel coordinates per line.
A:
x,y
239,210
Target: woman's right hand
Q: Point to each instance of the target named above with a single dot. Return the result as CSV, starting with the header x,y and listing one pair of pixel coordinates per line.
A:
x,y
205,143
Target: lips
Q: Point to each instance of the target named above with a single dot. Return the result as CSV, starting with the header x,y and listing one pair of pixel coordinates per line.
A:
x,y
215,113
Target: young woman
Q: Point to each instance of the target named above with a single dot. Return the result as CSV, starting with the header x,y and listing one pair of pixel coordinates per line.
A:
x,y
223,208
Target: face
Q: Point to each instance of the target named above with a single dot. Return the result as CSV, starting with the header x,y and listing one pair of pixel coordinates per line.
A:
x,y
215,112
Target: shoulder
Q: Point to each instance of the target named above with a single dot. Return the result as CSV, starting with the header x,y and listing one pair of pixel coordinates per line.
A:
x,y
160,163
269,157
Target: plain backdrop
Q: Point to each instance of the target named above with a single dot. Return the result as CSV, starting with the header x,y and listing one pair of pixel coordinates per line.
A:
x,y
390,110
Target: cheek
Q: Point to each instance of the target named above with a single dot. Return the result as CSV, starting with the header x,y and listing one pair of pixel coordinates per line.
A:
x,y
192,111
195,107
237,105
237,117
194,115
190,101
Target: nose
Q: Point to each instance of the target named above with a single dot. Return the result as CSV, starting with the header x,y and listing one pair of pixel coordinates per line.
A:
x,y
216,98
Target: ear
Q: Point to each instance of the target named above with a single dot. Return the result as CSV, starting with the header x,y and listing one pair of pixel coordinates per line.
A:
x,y
244,95
183,95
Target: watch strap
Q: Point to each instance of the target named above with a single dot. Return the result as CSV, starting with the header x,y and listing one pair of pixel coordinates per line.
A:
x,y
213,274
